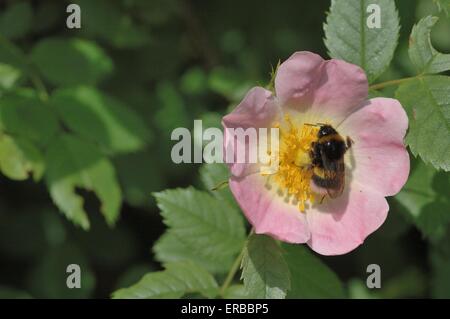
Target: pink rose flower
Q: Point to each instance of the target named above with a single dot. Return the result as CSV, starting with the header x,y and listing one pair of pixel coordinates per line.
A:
x,y
285,204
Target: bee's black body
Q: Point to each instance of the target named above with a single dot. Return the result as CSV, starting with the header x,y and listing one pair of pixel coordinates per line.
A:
x,y
329,144
327,157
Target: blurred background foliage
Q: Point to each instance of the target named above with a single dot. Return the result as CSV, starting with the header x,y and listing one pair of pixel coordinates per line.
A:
x,y
86,117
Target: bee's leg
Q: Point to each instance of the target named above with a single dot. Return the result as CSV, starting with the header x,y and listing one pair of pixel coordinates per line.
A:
x,y
323,197
349,141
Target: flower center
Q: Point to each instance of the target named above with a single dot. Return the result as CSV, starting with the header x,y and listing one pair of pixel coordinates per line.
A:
x,y
295,171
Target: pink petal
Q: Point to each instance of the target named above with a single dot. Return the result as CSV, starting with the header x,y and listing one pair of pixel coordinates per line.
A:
x,y
332,87
381,160
296,77
341,89
267,211
258,109
340,225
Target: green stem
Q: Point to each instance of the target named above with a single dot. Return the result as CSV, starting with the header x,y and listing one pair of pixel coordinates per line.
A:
x,y
38,85
234,268
392,82
220,186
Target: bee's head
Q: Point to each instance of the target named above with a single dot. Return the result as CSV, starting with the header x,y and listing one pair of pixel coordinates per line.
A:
x,y
326,130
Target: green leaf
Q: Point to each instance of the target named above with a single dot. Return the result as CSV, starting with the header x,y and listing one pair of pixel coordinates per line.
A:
x,y
9,76
212,176
73,163
172,112
15,21
13,55
357,289
439,258
133,274
440,282
47,15
228,83
128,34
140,175
71,61
310,277
194,81
443,5
418,190
170,248
156,12
348,37
427,103
374,94
235,292
409,283
422,53
175,281
264,270
100,118
23,114
104,19
99,18
208,226
19,158
425,198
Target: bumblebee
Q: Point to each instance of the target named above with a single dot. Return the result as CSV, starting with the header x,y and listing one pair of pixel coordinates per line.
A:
x,y
327,158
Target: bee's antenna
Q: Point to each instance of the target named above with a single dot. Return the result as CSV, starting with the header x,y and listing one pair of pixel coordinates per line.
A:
x,y
317,124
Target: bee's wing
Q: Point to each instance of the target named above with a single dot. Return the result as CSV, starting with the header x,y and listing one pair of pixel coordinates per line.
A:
x,y
334,171
338,178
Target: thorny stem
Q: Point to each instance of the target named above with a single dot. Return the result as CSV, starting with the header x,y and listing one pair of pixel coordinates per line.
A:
x,y
392,82
234,268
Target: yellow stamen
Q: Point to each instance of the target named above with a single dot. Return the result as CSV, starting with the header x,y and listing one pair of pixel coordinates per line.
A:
x,y
294,173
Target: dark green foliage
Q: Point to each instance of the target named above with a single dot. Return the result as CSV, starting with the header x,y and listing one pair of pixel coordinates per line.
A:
x,y
86,117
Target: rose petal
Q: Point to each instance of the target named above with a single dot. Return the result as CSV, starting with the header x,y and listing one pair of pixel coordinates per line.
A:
x,y
381,160
296,77
342,88
332,87
340,225
267,211
257,110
